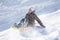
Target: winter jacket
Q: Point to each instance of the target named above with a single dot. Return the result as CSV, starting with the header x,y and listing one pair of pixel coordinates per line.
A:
x,y
31,17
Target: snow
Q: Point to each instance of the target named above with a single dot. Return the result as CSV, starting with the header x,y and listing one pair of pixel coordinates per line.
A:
x,y
51,32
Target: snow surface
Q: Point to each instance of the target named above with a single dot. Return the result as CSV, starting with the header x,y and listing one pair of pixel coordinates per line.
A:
x,y
51,32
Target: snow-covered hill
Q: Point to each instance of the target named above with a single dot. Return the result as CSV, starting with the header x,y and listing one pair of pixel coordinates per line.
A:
x,y
51,32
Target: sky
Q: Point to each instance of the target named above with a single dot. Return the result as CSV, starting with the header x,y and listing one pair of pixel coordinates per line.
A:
x,y
12,11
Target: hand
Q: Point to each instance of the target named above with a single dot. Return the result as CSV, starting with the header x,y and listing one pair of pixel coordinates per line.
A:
x,y
43,26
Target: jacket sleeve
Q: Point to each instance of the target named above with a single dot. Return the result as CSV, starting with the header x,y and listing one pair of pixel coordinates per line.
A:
x,y
38,20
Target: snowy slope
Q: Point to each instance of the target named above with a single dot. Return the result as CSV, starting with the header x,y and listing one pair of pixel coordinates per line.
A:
x,y
51,32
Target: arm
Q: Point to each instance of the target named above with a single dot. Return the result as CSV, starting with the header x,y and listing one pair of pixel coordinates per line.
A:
x,y
38,20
